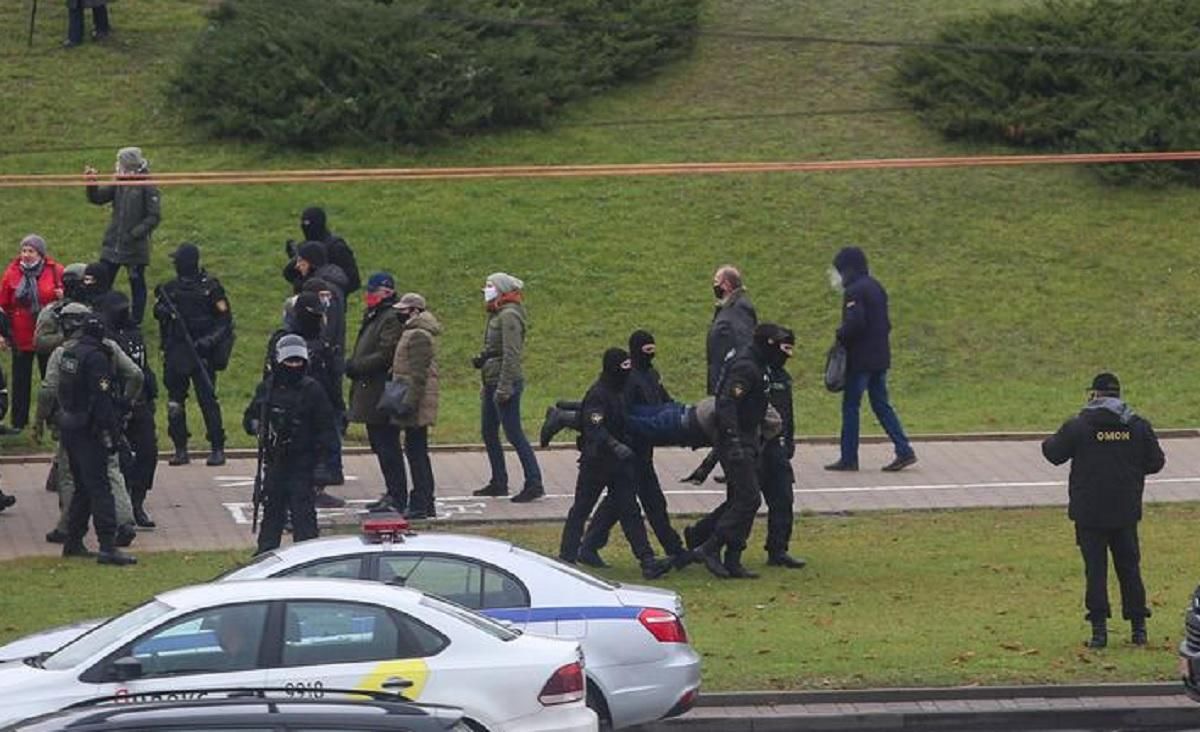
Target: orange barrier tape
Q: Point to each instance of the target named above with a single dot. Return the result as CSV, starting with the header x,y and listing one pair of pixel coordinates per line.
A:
x,y
246,177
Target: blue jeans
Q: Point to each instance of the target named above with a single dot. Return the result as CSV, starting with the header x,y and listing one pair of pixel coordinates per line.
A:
x,y
492,417
875,384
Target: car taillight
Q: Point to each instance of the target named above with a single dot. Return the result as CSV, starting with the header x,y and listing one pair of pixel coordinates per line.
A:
x,y
664,625
565,686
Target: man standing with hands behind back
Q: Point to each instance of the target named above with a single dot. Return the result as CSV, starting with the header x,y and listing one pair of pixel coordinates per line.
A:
x,y
1111,450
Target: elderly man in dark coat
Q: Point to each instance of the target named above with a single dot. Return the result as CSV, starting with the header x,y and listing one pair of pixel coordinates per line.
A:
x,y
136,212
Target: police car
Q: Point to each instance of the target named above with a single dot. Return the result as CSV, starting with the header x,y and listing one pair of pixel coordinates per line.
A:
x,y
308,635
640,666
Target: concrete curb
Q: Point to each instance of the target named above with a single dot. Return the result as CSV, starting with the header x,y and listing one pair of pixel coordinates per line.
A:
x,y
240,453
883,696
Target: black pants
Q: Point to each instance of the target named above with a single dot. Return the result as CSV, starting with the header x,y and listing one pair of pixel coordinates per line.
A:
x,y
22,383
654,504
93,495
140,432
289,490
137,273
618,478
75,22
776,478
177,382
416,449
385,443
1095,544
732,521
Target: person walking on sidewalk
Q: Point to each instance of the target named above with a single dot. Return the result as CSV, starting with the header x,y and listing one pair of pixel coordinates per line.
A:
x,y
1111,450
415,364
865,332
503,382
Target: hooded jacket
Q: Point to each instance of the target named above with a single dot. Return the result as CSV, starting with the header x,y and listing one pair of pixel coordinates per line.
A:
x,y
503,347
22,320
1111,450
136,212
865,324
416,363
732,329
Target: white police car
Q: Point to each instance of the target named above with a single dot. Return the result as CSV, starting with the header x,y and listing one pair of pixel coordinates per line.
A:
x,y
640,666
306,635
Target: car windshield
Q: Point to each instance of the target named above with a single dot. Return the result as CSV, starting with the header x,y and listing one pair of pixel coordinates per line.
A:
x,y
487,625
567,569
268,558
97,639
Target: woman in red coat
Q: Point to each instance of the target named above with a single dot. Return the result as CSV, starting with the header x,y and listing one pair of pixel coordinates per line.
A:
x,y
31,282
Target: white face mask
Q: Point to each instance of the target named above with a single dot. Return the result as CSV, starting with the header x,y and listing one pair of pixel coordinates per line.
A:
x,y
490,293
835,279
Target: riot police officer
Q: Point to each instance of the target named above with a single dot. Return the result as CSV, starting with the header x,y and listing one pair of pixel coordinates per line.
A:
x,y
141,440
1111,450
88,428
742,389
197,340
295,425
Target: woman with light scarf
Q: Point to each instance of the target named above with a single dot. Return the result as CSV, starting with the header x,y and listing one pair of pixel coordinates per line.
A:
x,y
30,282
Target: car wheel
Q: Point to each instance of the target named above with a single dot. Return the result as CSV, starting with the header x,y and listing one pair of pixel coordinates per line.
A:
x,y
472,725
596,702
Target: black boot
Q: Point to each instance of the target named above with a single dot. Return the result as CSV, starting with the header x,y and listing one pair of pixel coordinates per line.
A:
x,y
216,456
1138,635
709,553
556,420
733,564
591,558
653,568
115,557
492,489
140,517
125,535
1099,637
531,492
180,457
76,549
54,536
178,432
681,560
783,559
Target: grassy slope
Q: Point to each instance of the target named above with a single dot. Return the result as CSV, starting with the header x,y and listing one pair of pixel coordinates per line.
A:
x,y
933,598
1009,287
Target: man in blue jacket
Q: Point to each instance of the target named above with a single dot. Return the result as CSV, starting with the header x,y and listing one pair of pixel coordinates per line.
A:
x,y
864,333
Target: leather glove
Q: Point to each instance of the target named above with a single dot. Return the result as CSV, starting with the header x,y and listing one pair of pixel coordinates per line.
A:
x,y
622,451
735,451
290,248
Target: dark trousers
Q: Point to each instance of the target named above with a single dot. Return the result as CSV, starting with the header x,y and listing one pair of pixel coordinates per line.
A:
x,y
75,22
874,383
594,477
22,383
492,418
385,443
142,437
137,283
654,504
177,384
416,449
776,478
733,520
1095,544
289,490
93,496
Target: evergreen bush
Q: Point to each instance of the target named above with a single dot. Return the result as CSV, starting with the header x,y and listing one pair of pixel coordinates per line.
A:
x,y
310,73
1075,86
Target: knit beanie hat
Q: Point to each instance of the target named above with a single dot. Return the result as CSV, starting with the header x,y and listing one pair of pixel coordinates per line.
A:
x,y
36,243
313,252
505,282
131,160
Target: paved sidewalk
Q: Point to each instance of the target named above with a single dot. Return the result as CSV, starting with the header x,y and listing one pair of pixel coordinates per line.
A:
x,y
198,507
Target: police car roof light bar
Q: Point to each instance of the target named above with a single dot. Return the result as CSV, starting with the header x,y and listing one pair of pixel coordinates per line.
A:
x,y
388,529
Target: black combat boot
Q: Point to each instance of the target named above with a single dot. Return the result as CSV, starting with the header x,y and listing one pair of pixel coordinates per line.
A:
x,y
591,558
681,559
1137,634
115,557
178,432
733,564
556,420
140,517
492,489
1099,637
76,549
653,567
54,536
216,456
180,457
783,559
531,492
709,553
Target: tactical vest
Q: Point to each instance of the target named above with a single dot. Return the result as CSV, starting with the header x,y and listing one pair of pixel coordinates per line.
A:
x,y
193,300
74,399
285,411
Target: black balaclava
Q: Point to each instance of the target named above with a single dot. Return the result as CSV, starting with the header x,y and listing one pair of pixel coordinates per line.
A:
x,y
93,327
313,252
99,273
72,286
637,339
187,260
309,315
113,307
312,223
616,368
768,341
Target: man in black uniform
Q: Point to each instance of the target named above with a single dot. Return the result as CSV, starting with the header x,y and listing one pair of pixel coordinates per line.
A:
x,y
138,416
1111,450
88,428
742,390
315,228
644,387
193,307
606,461
294,422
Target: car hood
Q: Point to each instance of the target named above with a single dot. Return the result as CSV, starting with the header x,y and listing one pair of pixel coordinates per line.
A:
x,y
29,691
46,641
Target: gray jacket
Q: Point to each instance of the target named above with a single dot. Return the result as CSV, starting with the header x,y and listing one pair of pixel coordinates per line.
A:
x,y
136,212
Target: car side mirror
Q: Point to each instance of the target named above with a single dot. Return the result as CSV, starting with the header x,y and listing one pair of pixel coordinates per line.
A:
x,y
127,668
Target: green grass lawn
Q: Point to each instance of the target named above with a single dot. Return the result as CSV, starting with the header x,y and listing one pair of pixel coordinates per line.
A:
x,y
889,599
1010,287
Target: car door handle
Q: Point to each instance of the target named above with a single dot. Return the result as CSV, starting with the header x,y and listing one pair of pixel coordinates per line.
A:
x,y
395,683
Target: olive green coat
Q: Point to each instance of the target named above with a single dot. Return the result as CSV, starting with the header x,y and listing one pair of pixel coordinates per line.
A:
x,y
136,212
503,346
416,363
369,367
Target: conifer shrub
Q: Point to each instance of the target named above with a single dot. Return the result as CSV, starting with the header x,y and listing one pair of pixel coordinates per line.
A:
x,y
311,73
1069,76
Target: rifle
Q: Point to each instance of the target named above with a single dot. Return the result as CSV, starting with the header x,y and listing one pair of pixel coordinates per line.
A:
x,y
261,468
202,378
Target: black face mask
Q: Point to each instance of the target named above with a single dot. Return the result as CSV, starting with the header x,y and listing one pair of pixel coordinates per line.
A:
x,y
309,324
614,374
637,341
289,375
718,292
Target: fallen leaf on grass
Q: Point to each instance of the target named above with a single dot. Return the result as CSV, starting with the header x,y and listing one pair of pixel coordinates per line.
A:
x,y
1109,666
963,657
1011,645
1029,652
763,651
